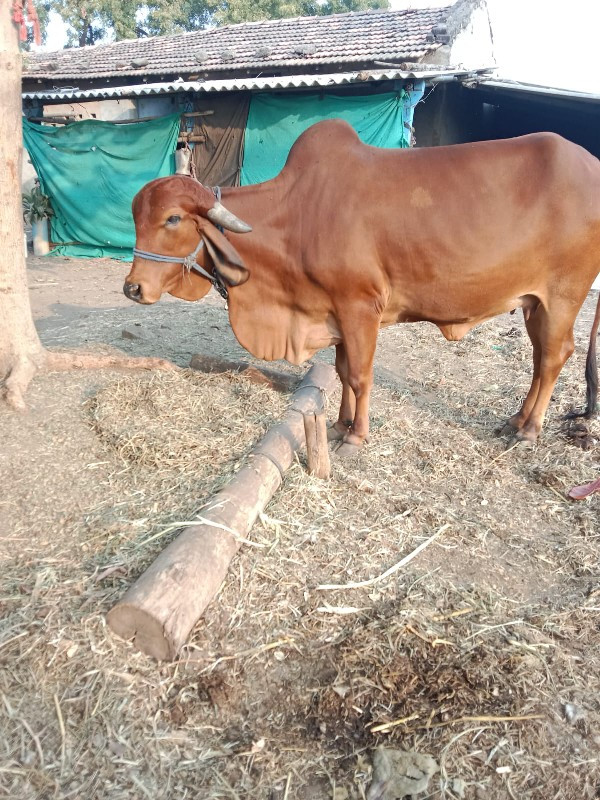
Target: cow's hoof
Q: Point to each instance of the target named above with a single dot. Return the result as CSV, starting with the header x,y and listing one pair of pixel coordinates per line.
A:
x,y
336,432
525,438
508,429
346,449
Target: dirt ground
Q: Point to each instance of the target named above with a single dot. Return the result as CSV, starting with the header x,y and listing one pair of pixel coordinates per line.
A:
x,y
483,652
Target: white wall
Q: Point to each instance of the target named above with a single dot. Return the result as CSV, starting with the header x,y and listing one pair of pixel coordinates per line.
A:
x,y
546,42
95,109
116,109
473,47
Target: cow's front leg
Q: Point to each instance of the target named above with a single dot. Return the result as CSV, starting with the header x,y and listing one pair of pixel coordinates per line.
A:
x,y
359,335
348,405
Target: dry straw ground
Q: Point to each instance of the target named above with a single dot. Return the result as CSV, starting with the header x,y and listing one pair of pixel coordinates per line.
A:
x,y
483,651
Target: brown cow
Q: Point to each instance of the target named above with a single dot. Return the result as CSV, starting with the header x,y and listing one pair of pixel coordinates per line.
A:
x,y
350,238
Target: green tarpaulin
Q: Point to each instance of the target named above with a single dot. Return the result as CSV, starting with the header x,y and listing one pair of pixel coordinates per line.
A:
x,y
276,120
91,171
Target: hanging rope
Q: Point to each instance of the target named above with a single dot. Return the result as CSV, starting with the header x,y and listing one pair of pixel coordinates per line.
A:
x,y
18,12
192,162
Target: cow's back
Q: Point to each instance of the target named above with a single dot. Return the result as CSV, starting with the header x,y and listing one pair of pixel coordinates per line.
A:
x,y
437,224
488,222
453,235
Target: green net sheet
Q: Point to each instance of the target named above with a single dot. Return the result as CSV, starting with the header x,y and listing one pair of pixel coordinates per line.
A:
x,y
276,120
91,171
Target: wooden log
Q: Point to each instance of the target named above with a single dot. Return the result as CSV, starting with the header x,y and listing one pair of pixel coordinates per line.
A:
x,y
317,449
191,137
159,611
266,376
63,119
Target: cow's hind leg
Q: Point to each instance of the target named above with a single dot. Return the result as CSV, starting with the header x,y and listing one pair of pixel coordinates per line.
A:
x,y
553,329
516,422
359,334
348,405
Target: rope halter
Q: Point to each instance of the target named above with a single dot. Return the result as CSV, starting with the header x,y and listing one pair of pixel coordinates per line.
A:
x,y
189,263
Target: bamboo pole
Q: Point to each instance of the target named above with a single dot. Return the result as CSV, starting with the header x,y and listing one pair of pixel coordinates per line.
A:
x,y
159,611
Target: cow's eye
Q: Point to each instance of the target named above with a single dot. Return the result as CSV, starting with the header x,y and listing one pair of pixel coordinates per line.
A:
x,y
173,220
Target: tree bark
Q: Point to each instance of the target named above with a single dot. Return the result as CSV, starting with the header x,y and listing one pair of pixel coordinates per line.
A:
x,y
21,352
83,33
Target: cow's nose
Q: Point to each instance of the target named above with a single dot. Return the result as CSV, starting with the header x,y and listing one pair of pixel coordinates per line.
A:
x,y
133,291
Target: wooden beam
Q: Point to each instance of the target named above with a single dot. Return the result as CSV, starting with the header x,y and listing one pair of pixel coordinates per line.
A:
x,y
189,137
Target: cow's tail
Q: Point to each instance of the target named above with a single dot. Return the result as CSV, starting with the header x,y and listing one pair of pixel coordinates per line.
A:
x,y
591,370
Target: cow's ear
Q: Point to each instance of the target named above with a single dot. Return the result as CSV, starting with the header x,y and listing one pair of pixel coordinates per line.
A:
x,y
226,258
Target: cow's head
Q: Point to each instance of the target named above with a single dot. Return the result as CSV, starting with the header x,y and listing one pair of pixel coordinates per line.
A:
x,y
172,217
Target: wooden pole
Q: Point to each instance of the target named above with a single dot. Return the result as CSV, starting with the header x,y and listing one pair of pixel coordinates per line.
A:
x,y
317,449
159,611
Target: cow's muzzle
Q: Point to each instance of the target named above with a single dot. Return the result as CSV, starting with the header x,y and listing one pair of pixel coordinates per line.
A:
x,y
133,291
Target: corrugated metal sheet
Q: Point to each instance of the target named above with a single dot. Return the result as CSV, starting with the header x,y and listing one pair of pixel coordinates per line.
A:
x,y
247,84
532,88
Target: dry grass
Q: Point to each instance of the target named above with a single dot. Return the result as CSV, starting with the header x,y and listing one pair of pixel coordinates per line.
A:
x,y
482,651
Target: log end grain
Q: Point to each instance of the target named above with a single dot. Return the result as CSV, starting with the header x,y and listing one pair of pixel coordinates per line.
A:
x,y
144,631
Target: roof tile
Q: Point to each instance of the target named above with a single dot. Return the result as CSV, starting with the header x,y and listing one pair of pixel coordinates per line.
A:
x,y
403,35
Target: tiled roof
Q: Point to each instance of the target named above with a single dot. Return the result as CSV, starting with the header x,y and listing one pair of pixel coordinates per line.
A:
x,y
302,42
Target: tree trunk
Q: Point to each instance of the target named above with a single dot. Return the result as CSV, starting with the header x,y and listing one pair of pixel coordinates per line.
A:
x,y
83,35
21,351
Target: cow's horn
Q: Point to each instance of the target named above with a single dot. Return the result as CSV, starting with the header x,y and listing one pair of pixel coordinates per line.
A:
x,y
221,216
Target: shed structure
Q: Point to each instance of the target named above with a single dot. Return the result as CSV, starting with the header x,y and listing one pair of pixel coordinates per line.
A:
x,y
244,93
506,108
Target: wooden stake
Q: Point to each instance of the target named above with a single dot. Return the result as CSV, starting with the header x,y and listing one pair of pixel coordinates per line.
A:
x,y
317,450
159,611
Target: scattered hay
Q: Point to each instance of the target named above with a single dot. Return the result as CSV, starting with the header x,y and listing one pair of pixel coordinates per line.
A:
x,y
185,422
483,651
178,437
154,447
